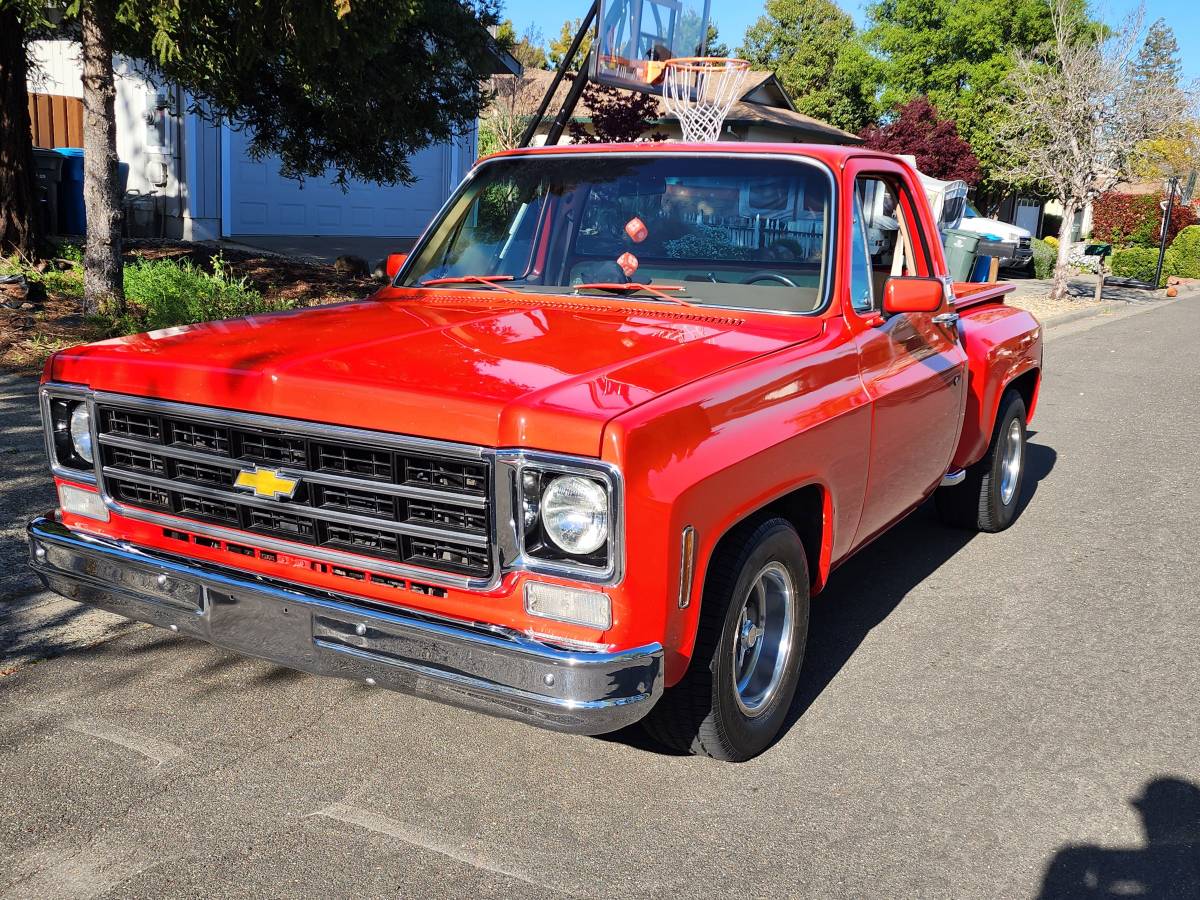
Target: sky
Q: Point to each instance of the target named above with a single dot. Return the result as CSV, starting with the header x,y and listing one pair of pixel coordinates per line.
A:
x,y
734,16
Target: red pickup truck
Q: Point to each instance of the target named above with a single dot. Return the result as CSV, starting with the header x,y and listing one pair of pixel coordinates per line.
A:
x,y
583,462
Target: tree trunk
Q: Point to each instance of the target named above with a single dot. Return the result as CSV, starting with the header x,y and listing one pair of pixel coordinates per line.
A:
x,y
1058,290
18,196
103,286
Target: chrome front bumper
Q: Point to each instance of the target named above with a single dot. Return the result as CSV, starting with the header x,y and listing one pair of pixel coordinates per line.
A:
x,y
482,667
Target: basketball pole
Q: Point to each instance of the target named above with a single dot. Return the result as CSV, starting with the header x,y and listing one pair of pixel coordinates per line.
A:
x,y
577,86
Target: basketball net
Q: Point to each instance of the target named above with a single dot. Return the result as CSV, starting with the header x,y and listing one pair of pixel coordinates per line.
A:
x,y
699,91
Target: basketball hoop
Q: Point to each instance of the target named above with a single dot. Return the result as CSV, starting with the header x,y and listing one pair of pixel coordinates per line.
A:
x,y
699,90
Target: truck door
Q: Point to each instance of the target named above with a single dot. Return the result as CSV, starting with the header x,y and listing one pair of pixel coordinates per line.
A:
x,y
913,368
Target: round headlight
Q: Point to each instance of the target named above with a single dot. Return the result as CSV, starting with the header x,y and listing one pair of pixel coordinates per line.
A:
x,y
81,431
575,514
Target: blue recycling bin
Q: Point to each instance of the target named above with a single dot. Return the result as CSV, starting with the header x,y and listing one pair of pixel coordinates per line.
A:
x,y
982,269
72,218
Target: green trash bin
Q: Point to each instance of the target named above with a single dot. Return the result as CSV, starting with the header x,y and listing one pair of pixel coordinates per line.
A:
x,y
961,247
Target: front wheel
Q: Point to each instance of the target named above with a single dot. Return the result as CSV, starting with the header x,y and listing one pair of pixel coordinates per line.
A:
x,y
736,694
989,496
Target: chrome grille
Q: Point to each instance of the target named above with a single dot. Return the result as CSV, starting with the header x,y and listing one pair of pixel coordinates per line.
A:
x,y
354,495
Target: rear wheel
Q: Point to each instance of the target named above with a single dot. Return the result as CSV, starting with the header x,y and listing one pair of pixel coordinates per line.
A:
x,y
753,626
988,498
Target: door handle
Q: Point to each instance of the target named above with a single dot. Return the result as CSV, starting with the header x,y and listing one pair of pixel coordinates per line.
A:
x,y
946,318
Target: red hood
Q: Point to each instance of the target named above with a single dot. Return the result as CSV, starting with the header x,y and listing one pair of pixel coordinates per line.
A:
x,y
496,371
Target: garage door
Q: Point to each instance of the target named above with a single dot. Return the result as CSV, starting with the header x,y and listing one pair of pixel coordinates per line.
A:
x,y
258,200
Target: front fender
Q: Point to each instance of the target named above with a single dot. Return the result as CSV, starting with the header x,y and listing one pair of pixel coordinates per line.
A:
x,y
709,455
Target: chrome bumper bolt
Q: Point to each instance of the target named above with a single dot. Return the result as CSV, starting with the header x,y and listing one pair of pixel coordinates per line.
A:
x,y
548,680
162,580
370,682
173,627
360,629
39,552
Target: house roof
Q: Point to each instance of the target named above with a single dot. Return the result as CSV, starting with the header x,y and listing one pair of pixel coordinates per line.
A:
x,y
503,62
764,101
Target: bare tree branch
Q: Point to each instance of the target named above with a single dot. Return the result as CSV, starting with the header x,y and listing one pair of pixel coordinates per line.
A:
x,y
514,100
1079,113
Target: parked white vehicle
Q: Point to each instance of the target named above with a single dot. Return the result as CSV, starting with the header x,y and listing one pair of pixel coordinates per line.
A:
x,y
974,221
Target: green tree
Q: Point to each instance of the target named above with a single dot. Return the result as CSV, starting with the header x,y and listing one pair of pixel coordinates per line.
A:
x,y
713,45
812,46
316,81
559,46
527,48
1158,58
958,53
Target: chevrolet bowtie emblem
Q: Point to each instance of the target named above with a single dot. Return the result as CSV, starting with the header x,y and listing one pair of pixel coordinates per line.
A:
x,y
267,483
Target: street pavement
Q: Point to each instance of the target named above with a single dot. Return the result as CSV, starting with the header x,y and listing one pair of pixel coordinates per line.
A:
x,y
987,716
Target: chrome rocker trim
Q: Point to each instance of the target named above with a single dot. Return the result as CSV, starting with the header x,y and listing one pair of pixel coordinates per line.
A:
x,y
953,477
483,667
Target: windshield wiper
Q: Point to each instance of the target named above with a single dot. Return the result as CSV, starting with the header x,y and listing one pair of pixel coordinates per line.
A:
x,y
486,280
630,286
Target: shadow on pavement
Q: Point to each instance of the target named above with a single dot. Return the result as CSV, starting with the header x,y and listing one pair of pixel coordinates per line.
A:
x,y
867,588
1165,868
864,591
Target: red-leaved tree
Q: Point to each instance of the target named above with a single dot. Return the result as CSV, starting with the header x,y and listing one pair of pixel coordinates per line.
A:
x,y
618,117
917,129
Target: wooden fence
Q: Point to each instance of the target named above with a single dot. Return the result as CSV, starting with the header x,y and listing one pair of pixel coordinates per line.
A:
x,y
56,121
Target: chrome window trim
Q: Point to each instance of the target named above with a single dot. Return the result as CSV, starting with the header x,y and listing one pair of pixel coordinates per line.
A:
x,y
505,469
512,463
830,247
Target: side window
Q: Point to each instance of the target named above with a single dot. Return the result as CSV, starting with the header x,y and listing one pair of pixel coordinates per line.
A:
x,y
861,298
893,240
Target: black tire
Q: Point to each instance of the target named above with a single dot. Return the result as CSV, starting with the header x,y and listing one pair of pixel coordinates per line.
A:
x,y
980,502
702,714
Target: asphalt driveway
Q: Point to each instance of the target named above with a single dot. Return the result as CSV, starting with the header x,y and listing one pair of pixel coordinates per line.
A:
x,y
993,716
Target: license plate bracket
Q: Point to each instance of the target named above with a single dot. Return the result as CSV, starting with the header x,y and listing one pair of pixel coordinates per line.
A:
x,y
263,627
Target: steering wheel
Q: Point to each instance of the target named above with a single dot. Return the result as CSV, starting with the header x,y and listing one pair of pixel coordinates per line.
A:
x,y
755,277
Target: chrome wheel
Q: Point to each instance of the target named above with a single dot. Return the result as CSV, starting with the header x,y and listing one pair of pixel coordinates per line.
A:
x,y
1010,467
763,643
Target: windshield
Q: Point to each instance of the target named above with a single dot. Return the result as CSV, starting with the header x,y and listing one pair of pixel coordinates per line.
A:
x,y
733,231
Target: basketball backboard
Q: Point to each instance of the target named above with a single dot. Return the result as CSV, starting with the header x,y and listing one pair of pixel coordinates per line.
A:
x,y
635,37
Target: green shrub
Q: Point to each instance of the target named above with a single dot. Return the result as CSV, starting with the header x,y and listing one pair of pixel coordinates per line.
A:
x,y
163,292
73,252
1044,257
1140,263
1186,250
68,282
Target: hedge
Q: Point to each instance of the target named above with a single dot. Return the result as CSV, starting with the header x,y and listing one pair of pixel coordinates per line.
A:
x,y
1045,255
1135,219
1140,262
1186,251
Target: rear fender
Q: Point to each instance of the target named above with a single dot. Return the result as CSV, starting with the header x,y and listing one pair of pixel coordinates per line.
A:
x,y
1002,344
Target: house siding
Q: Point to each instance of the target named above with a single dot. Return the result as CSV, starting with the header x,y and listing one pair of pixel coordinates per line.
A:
x,y
189,166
